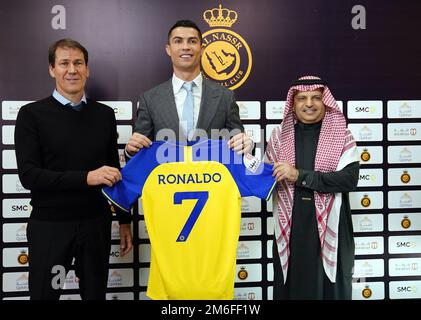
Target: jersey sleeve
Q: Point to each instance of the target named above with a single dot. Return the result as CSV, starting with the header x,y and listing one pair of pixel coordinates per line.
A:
x,y
252,176
134,175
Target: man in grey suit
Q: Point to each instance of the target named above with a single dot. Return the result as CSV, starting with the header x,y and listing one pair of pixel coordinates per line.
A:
x,y
213,106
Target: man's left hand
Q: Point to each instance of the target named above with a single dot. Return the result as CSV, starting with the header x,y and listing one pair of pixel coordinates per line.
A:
x,y
241,143
283,170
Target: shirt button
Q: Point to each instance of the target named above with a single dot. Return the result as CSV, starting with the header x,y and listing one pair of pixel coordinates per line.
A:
x,y
304,183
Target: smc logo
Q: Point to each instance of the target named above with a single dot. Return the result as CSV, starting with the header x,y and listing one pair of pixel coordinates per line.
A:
x,y
407,289
365,177
24,208
406,244
115,254
365,109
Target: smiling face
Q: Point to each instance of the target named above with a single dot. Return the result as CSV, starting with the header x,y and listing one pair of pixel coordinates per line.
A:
x,y
185,49
309,107
70,72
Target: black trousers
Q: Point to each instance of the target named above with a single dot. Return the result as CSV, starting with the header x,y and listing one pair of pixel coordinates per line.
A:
x,y
54,244
319,288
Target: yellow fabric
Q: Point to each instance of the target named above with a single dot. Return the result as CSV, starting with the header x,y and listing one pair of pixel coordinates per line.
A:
x,y
202,267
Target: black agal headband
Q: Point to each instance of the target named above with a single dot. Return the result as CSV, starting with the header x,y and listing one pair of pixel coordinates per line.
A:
x,y
306,82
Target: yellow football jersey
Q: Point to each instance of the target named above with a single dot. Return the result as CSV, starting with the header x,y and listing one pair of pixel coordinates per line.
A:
x,y
191,198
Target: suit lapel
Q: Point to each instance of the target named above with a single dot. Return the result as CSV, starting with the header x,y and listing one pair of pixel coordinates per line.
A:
x,y
208,105
167,105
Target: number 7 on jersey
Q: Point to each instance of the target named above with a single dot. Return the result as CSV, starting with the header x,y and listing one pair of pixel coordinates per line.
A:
x,y
202,197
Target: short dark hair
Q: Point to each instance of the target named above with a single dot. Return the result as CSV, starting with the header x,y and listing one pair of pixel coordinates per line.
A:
x,y
185,24
65,43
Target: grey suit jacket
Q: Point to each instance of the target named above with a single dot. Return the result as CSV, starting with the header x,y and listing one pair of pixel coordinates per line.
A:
x,y
157,110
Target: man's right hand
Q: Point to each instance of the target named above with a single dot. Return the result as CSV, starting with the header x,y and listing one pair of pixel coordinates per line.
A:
x,y
137,142
126,239
104,175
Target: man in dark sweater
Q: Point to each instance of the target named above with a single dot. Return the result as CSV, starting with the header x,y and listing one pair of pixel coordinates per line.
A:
x,y
66,150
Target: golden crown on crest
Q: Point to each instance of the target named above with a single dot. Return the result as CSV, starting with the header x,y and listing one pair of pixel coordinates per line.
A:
x,y
218,17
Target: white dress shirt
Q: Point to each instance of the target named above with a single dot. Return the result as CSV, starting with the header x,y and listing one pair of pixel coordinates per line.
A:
x,y
180,95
